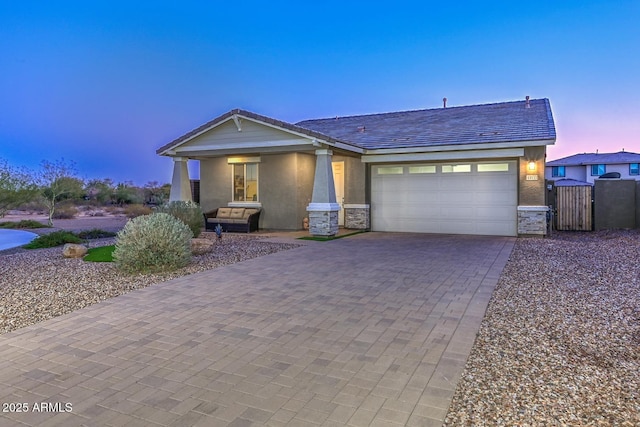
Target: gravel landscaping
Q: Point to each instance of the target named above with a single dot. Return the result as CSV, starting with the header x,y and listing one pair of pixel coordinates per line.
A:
x,y
36,285
560,342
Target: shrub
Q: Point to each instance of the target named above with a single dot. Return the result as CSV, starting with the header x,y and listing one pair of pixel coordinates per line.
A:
x,y
187,212
95,233
23,224
152,243
50,240
65,212
136,210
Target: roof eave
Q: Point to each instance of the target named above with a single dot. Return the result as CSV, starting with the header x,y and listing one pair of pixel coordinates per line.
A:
x,y
316,137
461,147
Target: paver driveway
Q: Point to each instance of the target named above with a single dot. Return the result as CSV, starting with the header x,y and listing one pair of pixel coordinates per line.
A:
x,y
373,329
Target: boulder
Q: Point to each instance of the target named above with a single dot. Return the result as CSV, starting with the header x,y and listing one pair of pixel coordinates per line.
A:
x,y
73,250
201,246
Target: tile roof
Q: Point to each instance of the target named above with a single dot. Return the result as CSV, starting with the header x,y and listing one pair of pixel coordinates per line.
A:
x,y
597,159
475,124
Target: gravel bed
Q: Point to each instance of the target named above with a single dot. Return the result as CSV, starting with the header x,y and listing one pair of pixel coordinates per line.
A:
x,y
560,342
36,285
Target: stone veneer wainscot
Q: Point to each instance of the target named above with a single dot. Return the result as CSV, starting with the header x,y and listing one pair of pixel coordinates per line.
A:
x,y
532,220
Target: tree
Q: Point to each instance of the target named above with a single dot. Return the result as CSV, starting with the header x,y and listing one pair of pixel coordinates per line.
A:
x,y
57,182
156,194
126,193
16,187
100,191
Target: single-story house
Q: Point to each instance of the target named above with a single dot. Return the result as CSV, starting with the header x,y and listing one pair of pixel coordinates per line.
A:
x,y
587,167
475,169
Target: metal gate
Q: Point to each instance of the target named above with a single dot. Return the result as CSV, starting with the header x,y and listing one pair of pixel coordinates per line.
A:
x,y
574,208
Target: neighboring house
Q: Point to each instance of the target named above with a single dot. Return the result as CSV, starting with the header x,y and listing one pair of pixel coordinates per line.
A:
x,y
588,167
468,170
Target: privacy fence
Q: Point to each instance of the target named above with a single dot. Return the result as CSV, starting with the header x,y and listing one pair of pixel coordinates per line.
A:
x,y
609,204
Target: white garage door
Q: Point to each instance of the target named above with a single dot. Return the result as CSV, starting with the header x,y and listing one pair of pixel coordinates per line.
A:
x,y
459,198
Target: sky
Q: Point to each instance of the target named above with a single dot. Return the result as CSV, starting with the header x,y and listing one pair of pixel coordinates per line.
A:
x,y
103,84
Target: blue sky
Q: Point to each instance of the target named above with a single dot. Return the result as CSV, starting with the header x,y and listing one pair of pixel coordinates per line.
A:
x,y
106,83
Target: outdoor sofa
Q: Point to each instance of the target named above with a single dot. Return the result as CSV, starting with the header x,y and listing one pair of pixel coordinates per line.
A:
x,y
233,219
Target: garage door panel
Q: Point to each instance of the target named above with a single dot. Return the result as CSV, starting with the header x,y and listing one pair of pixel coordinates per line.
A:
x,y
501,198
460,203
490,213
457,197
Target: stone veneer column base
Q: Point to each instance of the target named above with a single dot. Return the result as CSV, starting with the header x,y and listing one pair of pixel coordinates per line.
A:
x,y
323,219
532,220
356,217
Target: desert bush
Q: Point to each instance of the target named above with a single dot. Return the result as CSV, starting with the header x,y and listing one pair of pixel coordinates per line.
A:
x,y
51,240
136,210
187,212
153,243
65,212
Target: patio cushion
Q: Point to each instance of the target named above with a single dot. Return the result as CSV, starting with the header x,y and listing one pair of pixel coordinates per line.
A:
x,y
223,213
236,213
248,212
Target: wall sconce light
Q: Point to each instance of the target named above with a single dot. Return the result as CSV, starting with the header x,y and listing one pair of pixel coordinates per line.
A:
x,y
531,166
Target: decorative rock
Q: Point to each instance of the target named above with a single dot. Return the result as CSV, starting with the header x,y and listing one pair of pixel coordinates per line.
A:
x,y
201,246
73,250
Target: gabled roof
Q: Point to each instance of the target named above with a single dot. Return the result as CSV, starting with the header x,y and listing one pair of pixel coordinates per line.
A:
x,y
620,157
475,124
505,122
248,114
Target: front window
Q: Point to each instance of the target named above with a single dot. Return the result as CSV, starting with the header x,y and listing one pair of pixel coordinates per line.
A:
x,y
634,169
597,170
558,171
245,182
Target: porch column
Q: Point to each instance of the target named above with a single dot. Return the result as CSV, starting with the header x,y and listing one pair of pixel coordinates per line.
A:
x,y
323,209
180,184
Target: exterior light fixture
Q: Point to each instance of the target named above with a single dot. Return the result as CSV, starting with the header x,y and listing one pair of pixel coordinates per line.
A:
x,y
531,166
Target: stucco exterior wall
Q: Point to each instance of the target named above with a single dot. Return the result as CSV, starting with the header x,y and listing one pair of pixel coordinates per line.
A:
x,y
286,185
532,192
215,183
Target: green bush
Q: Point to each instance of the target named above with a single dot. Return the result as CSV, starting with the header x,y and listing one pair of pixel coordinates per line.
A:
x,y
95,233
23,224
50,240
187,212
152,243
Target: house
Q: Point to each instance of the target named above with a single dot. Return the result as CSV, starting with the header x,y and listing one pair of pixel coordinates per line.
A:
x,y
475,169
587,167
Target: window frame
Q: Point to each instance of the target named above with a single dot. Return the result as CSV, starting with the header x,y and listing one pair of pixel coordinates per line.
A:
x,y
599,169
234,186
634,171
558,171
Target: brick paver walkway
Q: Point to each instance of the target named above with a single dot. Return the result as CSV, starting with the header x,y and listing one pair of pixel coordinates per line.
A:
x,y
369,330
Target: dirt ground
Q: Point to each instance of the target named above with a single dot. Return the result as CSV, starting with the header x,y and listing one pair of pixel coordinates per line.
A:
x,y
107,222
